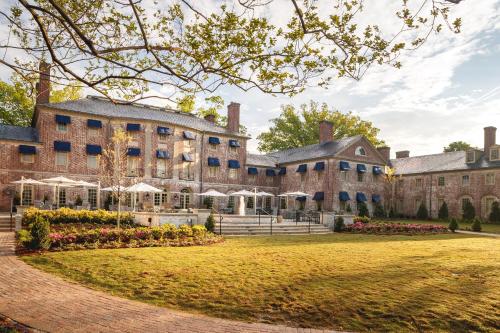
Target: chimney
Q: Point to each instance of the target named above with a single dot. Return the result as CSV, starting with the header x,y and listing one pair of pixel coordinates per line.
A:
x,y
233,117
43,85
210,118
325,131
403,154
490,134
386,153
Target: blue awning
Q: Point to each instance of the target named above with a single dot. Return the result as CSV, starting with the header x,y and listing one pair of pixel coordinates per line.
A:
x,y
344,196
189,135
253,171
93,123
282,171
213,140
319,196
377,170
133,127
60,119
344,166
213,161
376,198
301,199
234,143
360,197
302,168
186,157
319,166
94,149
162,154
134,152
233,164
62,146
270,172
163,130
27,150
361,168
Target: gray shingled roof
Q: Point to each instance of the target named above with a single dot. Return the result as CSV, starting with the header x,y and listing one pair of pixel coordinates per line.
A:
x,y
261,160
439,163
9,132
319,150
103,107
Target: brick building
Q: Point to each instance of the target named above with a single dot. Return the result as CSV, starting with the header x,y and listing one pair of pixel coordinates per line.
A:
x,y
185,155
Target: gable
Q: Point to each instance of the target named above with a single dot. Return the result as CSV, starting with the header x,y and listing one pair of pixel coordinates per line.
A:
x,y
372,156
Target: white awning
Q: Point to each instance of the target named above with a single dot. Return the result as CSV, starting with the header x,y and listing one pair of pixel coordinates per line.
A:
x,y
243,193
264,194
59,181
143,187
213,193
28,181
114,189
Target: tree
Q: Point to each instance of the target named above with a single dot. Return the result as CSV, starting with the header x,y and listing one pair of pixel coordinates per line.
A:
x,y
422,213
469,212
363,209
120,48
453,225
495,213
476,225
338,225
443,211
457,146
379,211
297,128
210,223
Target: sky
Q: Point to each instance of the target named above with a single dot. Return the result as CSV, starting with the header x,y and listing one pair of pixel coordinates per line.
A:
x,y
447,90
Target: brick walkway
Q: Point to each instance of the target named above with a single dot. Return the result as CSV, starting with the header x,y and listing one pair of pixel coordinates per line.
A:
x,y
48,303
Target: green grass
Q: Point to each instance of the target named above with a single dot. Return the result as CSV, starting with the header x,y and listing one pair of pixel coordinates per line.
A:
x,y
446,282
486,227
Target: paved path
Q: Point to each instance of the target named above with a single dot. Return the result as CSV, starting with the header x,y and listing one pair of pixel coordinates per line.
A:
x,y
477,233
49,303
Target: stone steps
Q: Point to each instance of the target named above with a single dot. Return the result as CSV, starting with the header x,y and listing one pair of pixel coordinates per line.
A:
x,y
5,224
247,229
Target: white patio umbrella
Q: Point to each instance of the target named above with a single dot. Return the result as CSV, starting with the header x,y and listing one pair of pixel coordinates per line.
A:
x,y
243,193
213,194
142,188
83,183
26,181
58,182
264,194
115,188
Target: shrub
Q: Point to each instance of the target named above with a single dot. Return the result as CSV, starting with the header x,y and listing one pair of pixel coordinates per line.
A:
x,y
453,225
476,225
495,213
339,224
348,208
39,231
395,228
78,201
23,238
363,209
392,214
379,211
67,215
361,219
185,231
469,212
199,231
422,213
210,223
443,211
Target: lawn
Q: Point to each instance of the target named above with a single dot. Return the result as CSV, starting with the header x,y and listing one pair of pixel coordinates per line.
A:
x,y
486,227
445,282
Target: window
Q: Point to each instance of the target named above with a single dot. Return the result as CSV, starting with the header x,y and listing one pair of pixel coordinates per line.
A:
x,y
128,199
488,203
187,171
494,154
490,179
361,177
161,167
344,175
343,206
319,205
441,181
233,173
250,203
440,203
233,150
62,197
252,178
212,171
188,144
419,183
268,202
162,137
464,202
134,135
61,158
212,147
208,202
27,198
230,202
62,127
92,131
283,203
360,151
185,199
160,198
465,180
92,197
471,156
92,161
27,158
132,166
418,202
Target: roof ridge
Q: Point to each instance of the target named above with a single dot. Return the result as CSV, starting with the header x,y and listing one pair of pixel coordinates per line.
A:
x,y
428,155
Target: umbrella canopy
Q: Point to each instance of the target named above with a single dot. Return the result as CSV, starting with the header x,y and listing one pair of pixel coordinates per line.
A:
x,y
59,181
114,188
143,187
264,194
294,194
28,181
213,193
83,183
243,193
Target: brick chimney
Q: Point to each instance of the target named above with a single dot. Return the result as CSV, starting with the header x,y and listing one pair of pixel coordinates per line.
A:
x,y
325,131
385,152
490,134
210,118
403,154
233,117
43,85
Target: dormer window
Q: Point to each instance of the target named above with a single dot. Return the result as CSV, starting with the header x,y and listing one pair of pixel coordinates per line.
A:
x,y
471,156
360,151
495,154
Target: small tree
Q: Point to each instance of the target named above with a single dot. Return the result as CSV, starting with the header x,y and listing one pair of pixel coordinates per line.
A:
x,y
392,214
39,231
210,223
476,225
339,225
469,212
348,209
443,212
495,213
363,209
453,225
379,211
78,200
422,213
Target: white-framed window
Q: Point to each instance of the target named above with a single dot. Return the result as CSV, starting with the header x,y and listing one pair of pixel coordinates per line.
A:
x,y
132,166
233,173
92,161
61,158
361,177
161,168
62,197
464,202
230,202
283,203
189,144
185,199
60,127
471,156
92,197
487,205
212,171
252,178
419,183
418,202
360,151
187,171
212,147
440,203
27,199
160,198
343,206
93,131
162,137
465,180
344,175
441,181
495,154
489,179
27,158
250,203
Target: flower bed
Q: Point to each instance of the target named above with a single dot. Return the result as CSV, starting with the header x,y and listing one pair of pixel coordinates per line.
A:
x,y
67,215
394,228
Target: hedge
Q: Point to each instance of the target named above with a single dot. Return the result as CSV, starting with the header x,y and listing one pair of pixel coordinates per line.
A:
x,y
394,228
67,215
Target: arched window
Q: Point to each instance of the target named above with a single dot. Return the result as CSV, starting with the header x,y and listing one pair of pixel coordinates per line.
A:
x,y
360,151
486,203
462,201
